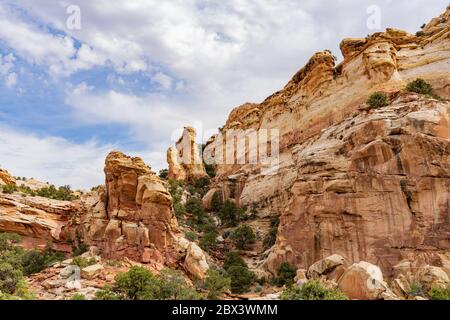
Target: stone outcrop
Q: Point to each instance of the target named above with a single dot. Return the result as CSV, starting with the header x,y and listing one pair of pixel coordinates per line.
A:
x,y
6,178
185,161
133,214
367,184
363,281
195,263
38,220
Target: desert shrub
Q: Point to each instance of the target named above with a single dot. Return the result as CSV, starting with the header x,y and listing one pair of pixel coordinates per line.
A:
x,y
216,204
172,285
216,283
22,292
241,278
420,33
140,284
419,86
79,247
230,213
233,259
285,275
163,174
243,236
176,191
191,236
437,293
136,284
312,290
83,262
78,296
210,170
9,278
271,236
377,100
416,290
62,193
108,293
9,189
209,240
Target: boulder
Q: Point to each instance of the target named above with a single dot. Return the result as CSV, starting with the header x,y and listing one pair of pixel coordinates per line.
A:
x,y
363,281
324,266
195,262
430,276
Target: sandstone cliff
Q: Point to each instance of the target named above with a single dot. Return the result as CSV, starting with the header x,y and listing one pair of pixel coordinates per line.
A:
x,y
367,184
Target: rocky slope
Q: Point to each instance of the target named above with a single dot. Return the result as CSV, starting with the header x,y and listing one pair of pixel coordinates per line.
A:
x,y
367,184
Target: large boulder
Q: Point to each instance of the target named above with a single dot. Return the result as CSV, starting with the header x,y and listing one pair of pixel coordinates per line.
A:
x,y
6,178
430,276
195,262
363,281
325,266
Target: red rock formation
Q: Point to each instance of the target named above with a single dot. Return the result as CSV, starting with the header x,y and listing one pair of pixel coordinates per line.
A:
x,y
367,184
133,215
185,161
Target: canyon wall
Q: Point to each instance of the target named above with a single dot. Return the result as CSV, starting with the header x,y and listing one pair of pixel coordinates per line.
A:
x,y
369,184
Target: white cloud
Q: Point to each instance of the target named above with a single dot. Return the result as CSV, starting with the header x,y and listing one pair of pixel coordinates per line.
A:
x,y
6,65
52,159
11,80
218,53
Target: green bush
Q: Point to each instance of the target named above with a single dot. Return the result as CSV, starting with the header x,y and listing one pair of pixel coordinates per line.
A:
x,y
216,283
83,262
140,284
230,213
62,193
233,259
416,290
136,284
9,189
79,247
242,237
216,204
241,278
438,293
271,236
210,170
78,296
163,174
209,240
419,86
9,278
377,100
191,236
285,275
312,290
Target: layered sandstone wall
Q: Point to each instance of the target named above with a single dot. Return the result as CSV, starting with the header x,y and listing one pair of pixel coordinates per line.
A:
x,y
368,184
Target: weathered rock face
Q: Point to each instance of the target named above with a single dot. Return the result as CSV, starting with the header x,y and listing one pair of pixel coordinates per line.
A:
x,y
133,214
368,185
38,220
185,162
6,178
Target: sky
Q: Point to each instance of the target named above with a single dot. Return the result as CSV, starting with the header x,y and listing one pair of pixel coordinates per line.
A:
x,y
79,79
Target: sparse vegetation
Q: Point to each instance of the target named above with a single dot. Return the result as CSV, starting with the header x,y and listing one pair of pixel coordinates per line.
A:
x,y
241,277
419,86
209,240
377,100
163,174
210,170
271,236
9,189
285,275
191,236
83,262
416,290
437,293
78,296
51,192
140,284
312,290
216,204
230,213
242,237
217,283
